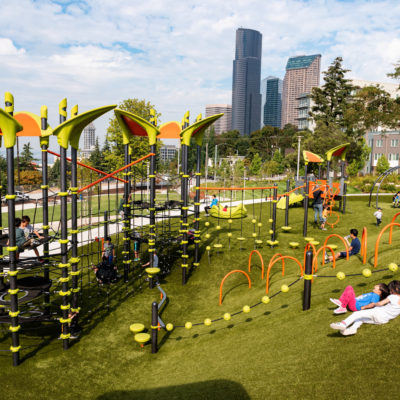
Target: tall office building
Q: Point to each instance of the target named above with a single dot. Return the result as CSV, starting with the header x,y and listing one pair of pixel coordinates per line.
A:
x,y
271,105
223,124
246,97
302,74
89,140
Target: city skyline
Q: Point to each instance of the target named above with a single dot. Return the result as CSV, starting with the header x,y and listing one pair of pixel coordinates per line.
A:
x,y
177,56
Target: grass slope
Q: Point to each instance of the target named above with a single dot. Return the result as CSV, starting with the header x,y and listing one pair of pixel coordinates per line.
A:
x,y
276,351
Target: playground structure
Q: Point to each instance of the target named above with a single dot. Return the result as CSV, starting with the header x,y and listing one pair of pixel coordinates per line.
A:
x,y
378,183
66,265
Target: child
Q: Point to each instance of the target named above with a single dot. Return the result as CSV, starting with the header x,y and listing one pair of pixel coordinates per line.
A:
x,y
136,244
108,251
214,202
354,246
29,233
19,237
374,313
225,208
349,299
378,215
325,213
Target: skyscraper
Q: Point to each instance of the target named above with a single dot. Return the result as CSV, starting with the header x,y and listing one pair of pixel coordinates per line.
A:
x,y
223,124
271,106
302,74
89,140
246,97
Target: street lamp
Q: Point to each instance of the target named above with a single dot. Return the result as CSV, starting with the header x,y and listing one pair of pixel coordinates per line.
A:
x,y
298,155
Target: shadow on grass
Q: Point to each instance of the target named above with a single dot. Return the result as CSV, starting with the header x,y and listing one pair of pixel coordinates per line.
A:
x,y
215,389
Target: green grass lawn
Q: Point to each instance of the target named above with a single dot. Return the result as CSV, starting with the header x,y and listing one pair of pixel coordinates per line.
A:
x,y
277,351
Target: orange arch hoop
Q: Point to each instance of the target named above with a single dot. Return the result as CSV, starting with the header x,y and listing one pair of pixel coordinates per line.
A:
x,y
364,242
344,242
379,238
274,257
315,260
223,280
262,262
283,268
391,228
337,219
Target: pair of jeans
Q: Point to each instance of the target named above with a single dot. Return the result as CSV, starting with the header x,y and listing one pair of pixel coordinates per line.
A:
x,y
318,211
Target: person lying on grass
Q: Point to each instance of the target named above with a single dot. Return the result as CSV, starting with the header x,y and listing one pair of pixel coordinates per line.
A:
x,y
349,299
354,246
375,313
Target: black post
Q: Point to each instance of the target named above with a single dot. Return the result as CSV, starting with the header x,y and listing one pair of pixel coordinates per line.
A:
x,y
319,171
342,179
152,177
197,209
12,249
105,224
184,223
126,221
1,233
274,203
306,189
307,281
328,172
154,327
64,293
44,142
287,203
74,235
344,197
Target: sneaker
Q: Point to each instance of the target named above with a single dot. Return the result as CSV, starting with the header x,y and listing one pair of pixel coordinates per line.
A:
x,y
352,330
339,326
336,302
326,257
323,229
340,310
136,259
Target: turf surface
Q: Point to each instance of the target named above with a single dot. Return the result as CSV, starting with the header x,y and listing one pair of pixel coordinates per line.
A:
x,y
276,351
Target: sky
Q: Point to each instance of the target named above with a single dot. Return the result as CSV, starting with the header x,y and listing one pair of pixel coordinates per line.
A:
x,y
177,54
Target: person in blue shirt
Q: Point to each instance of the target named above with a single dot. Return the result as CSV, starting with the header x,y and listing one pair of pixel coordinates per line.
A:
x,y
349,299
214,202
354,246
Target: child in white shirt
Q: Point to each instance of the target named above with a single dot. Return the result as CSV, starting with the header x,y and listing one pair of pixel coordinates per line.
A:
x,y
378,216
374,313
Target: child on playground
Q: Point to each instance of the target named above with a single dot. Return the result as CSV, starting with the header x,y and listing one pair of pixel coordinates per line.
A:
x,y
214,202
108,251
349,299
19,237
136,244
225,208
354,246
374,313
29,232
378,215
325,213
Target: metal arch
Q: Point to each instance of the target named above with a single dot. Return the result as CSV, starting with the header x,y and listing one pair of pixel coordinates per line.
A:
x,y
381,177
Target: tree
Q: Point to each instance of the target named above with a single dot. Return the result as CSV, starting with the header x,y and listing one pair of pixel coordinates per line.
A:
x,y
96,158
26,157
255,166
139,145
382,165
278,158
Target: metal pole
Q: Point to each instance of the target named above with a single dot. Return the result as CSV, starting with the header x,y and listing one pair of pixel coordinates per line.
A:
x,y
215,162
287,203
305,202
154,327
206,166
105,224
126,221
152,177
184,223
275,200
298,155
307,281
197,209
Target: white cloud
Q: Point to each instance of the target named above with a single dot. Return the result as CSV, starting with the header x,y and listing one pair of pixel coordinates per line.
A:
x,y
176,54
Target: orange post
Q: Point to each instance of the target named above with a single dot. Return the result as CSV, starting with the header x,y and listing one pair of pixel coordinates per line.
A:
x,y
275,261
344,242
262,262
379,238
364,242
228,274
88,167
115,172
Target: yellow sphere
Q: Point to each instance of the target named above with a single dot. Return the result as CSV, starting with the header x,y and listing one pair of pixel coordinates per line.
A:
x,y
265,299
208,248
246,309
218,227
229,234
253,220
366,272
188,325
340,275
259,224
229,221
169,327
271,231
227,316
254,234
207,235
270,220
207,322
284,288
393,267
207,224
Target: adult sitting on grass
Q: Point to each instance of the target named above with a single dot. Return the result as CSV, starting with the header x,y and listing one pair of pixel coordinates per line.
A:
x,y
375,313
354,246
